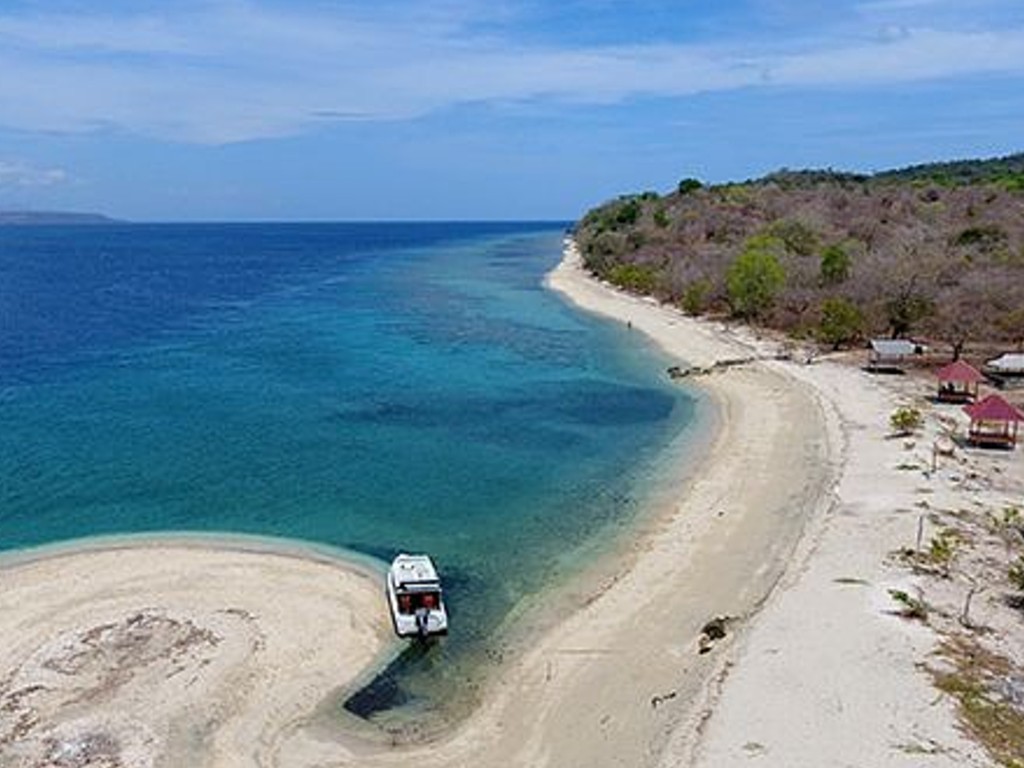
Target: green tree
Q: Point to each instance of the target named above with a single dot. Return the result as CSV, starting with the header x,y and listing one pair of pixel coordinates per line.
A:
x,y
688,185
628,211
835,264
798,237
841,322
639,278
1011,323
906,308
695,297
754,279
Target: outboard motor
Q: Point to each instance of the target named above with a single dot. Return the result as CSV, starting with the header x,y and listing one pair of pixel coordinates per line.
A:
x,y
422,614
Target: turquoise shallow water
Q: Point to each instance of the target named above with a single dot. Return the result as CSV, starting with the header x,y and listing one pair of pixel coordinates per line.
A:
x,y
370,387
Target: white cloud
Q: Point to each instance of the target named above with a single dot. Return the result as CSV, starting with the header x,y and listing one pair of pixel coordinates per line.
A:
x,y
908,57
233,71
17,173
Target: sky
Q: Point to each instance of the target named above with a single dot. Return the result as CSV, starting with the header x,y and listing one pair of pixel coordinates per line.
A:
x,y
481,109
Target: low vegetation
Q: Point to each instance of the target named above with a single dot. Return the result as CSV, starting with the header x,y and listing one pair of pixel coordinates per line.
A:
x,y
977,662
905,420
936,250
977,679
910,607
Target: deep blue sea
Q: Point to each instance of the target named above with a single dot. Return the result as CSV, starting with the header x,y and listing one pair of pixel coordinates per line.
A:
x,y
375,387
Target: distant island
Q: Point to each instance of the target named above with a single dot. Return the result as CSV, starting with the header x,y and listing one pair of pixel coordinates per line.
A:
x,y
37,218
934,249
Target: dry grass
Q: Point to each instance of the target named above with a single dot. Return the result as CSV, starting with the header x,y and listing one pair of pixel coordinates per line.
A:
x,y
983,684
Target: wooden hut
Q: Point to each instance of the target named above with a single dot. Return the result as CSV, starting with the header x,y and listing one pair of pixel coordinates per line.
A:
x,y
993,422
958,382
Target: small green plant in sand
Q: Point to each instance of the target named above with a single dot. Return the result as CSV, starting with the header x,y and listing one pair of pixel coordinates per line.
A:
x,y
1016,574
976,678
910,607
905,420
1009,525
942,551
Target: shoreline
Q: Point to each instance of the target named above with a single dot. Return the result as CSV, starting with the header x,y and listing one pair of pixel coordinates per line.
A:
x,y
674,577
756,533
299,549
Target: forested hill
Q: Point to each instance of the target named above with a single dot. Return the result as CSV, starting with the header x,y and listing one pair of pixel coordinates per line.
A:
x,y
935,250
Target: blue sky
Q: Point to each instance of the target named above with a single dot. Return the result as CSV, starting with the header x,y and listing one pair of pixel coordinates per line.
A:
x,y
481,109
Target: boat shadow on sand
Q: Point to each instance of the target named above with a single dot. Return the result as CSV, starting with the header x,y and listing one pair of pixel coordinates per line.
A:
x,y
385,691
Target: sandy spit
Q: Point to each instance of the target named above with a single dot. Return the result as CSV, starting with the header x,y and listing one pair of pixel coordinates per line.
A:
x,y
176,654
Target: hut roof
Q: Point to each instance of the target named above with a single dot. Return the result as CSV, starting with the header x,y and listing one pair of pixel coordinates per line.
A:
x,y
893,347
1010,362
960,372
993,408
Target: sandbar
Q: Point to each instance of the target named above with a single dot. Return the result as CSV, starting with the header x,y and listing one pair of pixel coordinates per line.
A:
x,y
169,654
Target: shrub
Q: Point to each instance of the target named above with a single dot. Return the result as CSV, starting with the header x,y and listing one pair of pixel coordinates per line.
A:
x,y
985,238
661,219
688,185
754,279
841,322
835,264
905,310
639,278
905,420
1011,324
695,297
628,211
795,235
912,607
1016,574
636,239
942,549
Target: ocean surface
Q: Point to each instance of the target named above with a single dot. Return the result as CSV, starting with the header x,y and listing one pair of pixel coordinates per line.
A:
x,y
371,387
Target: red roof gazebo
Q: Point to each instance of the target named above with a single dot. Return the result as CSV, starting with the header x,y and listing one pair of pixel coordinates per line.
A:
x,y
958,382
993,422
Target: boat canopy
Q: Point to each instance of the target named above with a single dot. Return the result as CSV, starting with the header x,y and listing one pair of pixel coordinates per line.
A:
x,y
415,572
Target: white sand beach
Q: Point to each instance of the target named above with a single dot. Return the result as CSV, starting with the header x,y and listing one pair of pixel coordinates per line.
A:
x,y
176,654
826,673
782,530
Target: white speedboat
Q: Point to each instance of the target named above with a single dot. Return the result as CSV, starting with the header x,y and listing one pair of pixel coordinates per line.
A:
x,y
414,596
